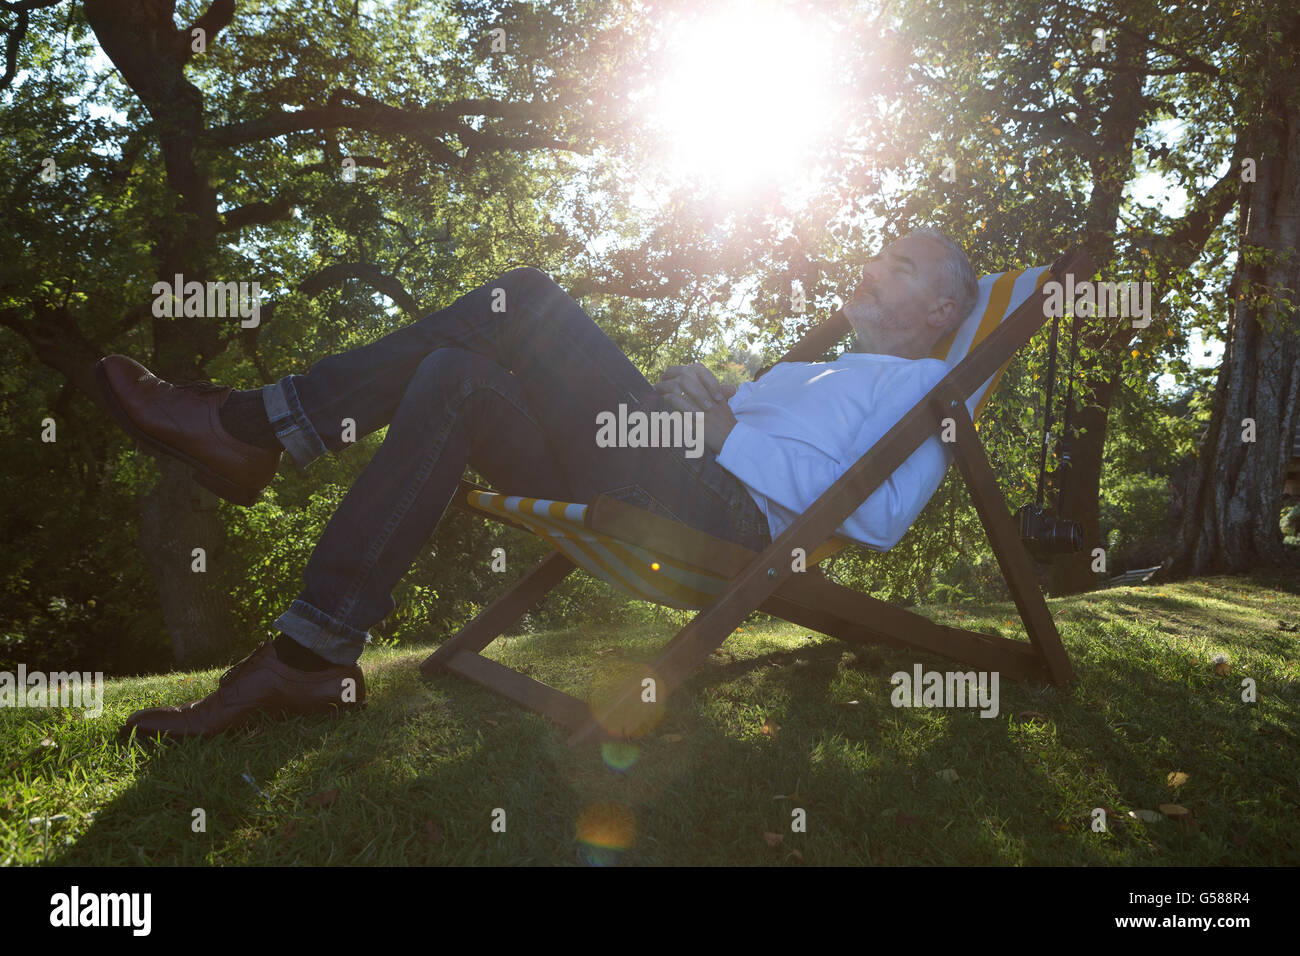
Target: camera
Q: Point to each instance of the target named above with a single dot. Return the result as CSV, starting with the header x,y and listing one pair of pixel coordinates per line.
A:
x,y
1045,535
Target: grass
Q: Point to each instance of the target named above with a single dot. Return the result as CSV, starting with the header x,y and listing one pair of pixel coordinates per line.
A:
x,y
415,777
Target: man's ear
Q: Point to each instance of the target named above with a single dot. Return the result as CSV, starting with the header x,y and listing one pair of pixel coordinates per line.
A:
x,y
944,315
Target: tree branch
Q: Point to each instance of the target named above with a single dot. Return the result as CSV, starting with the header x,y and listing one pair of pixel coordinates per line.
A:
x,y
58,343
367,272
1193,64
14,36
425,126
256,214
215,19
621,285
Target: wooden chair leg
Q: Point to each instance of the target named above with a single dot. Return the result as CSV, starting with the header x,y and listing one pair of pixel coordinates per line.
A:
x,y
1004,538
564,709
811,600
526,593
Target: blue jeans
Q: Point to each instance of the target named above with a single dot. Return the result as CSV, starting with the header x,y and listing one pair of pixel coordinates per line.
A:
x,y
515,393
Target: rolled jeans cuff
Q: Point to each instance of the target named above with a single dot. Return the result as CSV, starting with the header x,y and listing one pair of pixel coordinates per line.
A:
x,y
321,634
292,427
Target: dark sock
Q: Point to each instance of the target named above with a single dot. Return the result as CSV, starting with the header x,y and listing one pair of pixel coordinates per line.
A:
x,y
298,657
243,414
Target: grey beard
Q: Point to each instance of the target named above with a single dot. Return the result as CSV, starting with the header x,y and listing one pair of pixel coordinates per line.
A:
x,y
873,315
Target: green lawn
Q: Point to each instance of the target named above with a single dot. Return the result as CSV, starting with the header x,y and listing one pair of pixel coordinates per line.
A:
x,y
414,778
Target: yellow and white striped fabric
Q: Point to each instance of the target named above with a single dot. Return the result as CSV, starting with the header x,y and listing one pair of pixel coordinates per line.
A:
x,y
626,566
635,570
1000,294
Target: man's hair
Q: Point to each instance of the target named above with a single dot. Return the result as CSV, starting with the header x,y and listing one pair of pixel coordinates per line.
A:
x,y
957,280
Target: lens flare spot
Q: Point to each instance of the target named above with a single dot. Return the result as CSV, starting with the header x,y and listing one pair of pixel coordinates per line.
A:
x,y
619,755
605,830
627,700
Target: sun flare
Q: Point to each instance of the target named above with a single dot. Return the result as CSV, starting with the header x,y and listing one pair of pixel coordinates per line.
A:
x,y
746,94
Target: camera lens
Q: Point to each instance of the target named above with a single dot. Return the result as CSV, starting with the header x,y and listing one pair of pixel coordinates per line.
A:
x,y
1063,537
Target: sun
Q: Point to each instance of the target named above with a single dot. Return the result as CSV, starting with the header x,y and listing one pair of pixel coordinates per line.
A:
x,y
745,94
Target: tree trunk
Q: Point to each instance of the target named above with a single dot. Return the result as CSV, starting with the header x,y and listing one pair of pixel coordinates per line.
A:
x,y
1072,573
1234,497
1111,168
177,516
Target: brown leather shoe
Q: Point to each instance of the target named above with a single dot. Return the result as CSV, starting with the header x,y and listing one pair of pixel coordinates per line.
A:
x,y
182,421
259,684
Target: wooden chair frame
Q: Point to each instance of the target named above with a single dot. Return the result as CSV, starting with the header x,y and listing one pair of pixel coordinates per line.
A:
x,y
766,580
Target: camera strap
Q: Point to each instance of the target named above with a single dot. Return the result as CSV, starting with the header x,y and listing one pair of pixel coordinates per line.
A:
x,y
1064,467
1049,385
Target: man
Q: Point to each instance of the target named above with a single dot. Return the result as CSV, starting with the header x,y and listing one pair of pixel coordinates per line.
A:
x,y
510,379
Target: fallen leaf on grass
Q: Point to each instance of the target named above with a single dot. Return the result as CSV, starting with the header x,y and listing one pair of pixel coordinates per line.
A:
x,y
796,854
324,798
1174,811
948,776
1221,666
1176,778
773,839
769,728
904,820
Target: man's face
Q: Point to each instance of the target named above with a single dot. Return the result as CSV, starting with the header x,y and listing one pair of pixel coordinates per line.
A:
x,y
896,308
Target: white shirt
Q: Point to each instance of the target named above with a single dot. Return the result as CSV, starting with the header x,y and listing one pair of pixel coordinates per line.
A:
x,y
804,424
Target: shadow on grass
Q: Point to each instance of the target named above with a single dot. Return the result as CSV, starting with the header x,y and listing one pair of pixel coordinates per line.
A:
x,y
779,732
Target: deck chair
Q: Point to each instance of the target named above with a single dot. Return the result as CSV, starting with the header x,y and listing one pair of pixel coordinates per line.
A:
x,y
670,563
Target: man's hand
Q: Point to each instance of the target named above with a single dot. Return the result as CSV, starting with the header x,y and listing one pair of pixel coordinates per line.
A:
x,y
693,388
697,383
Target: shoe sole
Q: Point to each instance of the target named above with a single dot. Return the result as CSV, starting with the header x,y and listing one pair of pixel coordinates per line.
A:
x,y
205,476
125,733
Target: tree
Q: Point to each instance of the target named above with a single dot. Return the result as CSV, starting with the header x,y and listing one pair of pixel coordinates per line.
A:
x,y
1047,109
364,164
231,149
1234,498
